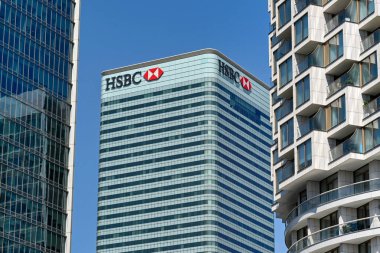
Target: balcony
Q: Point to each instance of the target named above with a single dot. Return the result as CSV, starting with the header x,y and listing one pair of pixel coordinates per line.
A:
x,y
372,107
302,4
284,173
350,78
285,47
370,41
317,122
352,145
334,22
363,140
285,109
314,59
333,195
332,232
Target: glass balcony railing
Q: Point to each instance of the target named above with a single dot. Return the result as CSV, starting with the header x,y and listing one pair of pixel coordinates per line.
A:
x,y
350,78
333,232
317,122
284,109
334,22
352,145
274,40
285,47
333,195
362,141
371,40
302,4
284,172
371,107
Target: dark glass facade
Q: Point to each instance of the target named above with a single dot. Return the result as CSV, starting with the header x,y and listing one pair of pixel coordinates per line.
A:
x,y
37,77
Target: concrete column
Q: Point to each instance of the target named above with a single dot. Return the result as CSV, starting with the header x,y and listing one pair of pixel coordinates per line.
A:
x,y
345,178
374,169
294,236
346,214
375,245
374,209
312,227
312,189
348,248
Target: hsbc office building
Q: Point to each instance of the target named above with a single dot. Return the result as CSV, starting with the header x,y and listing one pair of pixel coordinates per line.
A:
x,y
184,158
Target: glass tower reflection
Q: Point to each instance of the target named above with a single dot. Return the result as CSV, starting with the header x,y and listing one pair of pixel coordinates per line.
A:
x,y
38,54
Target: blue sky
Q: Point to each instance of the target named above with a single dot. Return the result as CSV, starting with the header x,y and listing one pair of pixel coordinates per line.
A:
x,y
116,33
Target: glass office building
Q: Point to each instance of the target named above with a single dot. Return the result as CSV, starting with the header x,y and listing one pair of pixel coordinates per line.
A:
x,y
38,76
184,158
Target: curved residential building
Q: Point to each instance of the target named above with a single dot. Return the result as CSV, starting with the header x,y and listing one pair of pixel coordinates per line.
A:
x,y
325,114
184,158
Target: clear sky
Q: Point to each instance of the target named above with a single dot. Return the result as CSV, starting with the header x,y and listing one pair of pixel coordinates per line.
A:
x,y
116,33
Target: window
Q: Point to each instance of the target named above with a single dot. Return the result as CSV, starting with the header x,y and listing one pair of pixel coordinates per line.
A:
x,y
275,156
336,112
369,69
361,174
304,155
303,91
362,214
301,233
333,251
365,247
301,29
366,7
287,135
329,183
327,222
303,196
286,71
284,13
335,47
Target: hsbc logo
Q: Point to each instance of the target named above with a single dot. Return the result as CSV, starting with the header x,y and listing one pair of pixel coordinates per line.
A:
x,y
234,76
122,81
153,74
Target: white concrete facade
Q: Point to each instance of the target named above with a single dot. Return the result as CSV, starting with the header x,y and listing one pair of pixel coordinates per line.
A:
x,y
325,115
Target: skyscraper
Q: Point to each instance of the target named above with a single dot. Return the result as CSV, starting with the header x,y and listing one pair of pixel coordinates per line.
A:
x,y
38,82
325,113
184,158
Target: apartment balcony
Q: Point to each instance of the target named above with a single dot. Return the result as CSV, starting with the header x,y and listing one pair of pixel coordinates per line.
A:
x,y
283,173
314,123
347,232
362,147
369,16
371,107
334,7
370,41
300,5
328,201
335,21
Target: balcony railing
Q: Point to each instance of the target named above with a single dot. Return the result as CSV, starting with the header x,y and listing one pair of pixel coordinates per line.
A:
x,y
350,78
362,141
352,145
334,22
333,232
284,109
284,172
317,122
302,4
333,195
372,107
371,40
285,47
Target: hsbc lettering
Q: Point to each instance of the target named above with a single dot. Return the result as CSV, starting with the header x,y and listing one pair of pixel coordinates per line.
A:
x,y
122,81
229,72
118,82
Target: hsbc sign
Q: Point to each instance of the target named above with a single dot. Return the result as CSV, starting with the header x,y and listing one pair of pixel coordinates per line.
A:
x,y
126,80
234,76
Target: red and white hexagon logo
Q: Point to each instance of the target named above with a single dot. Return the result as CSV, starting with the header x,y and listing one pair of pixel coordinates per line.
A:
x,y
245,83
153,74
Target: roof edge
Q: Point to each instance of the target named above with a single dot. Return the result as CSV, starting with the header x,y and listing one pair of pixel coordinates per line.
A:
x,y
183,56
